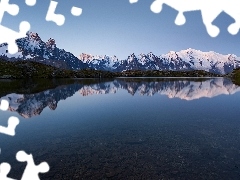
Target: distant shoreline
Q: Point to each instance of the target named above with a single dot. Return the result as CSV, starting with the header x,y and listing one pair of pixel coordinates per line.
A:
x,y
36,70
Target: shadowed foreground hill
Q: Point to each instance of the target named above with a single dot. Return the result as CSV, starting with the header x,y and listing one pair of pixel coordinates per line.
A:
x,y
31,69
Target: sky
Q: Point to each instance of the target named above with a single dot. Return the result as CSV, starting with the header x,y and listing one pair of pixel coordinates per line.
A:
x,y
116,27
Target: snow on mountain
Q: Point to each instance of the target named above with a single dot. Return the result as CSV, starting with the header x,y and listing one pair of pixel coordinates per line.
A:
x,y
208,61
33,48
189,59
99,62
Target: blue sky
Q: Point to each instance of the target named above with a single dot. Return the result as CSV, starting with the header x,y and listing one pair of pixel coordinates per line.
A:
x,y
116,27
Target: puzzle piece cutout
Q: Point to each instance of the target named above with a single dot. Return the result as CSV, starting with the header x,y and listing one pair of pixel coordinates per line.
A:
x,y
7,35
10,129
12,121
12,9
4,170
30,2
133,1
59,19
31,171
4,105
76,11
210,11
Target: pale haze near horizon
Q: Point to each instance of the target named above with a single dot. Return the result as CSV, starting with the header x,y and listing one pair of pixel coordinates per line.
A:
x,y
116,27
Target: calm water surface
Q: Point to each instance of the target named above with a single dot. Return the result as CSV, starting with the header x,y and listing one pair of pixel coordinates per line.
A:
x,y
128,129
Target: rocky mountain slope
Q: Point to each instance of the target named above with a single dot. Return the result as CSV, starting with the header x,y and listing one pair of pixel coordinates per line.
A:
x,y
33,48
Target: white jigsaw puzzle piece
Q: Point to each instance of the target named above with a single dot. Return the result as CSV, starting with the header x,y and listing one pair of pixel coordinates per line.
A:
x,y
9,36
30,2
133,1
31,171
232,8
210,11
208,8
4,105
4,170
12,121
12,124
76,11
12,9
59,19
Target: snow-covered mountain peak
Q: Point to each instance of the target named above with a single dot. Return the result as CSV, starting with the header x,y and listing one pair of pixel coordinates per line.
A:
x,y
88,58
189,59
33,36
172,55
131,58
85,57
32,47
51,43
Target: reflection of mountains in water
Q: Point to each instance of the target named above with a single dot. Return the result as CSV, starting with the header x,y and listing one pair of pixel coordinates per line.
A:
x,y
179,88
28,105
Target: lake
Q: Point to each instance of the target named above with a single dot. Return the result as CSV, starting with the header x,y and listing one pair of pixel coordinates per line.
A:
x,y
125,128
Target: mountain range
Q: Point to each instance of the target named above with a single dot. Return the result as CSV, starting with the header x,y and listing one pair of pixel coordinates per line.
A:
x,y
185,60
33,48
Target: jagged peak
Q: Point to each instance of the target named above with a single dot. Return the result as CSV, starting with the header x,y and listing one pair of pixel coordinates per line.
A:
x,y
87,58
51,43
33,36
